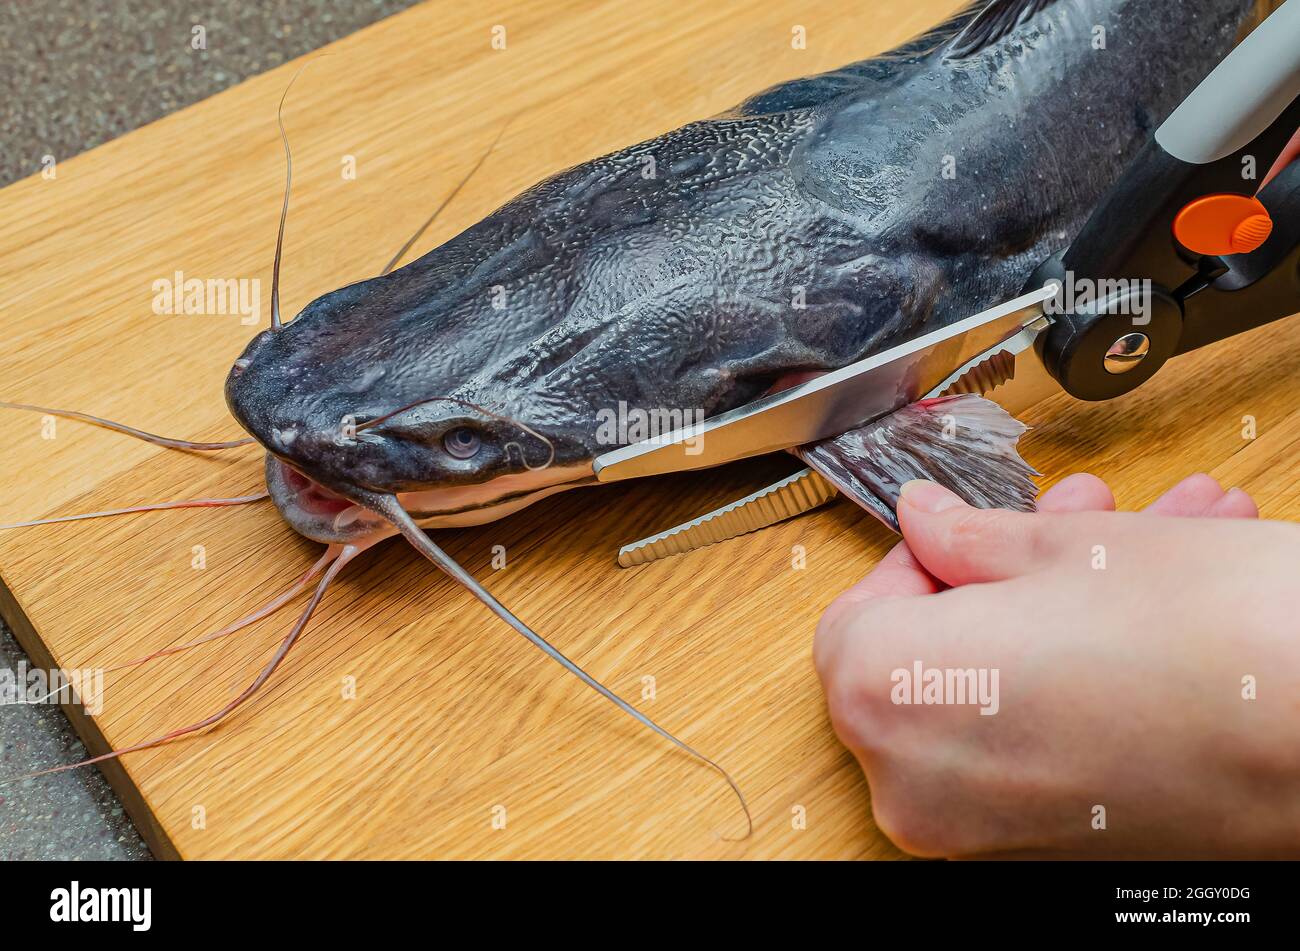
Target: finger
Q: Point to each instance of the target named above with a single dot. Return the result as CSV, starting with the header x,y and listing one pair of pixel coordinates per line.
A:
x,y
1235,504
961,545
1191,498
1081,492
897,574
1289,155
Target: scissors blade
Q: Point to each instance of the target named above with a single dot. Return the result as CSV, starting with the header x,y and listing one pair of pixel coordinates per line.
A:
x,y
807,489
835,402
793,495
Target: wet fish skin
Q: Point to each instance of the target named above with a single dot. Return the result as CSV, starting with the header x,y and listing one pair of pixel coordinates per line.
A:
x,y
668,274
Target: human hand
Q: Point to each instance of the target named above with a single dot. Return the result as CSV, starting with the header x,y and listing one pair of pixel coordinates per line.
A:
x,y
1126,647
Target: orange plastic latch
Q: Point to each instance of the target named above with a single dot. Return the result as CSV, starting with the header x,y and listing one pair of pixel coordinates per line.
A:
x,y
1223,224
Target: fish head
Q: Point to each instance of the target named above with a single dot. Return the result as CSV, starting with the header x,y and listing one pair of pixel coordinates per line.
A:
x,y
350,403
626,297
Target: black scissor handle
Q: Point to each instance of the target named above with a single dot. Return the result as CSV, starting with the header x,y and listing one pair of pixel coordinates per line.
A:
x,y
1157,288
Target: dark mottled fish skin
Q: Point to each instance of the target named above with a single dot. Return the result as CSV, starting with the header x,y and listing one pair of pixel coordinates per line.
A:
x,y
675,289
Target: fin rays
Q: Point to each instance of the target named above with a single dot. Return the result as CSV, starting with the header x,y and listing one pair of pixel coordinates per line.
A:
x,y
965,443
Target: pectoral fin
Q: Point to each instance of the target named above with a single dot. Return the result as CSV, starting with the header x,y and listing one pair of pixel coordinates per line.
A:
x,y
965,443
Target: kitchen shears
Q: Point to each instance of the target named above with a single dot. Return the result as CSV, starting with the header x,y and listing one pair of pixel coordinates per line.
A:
x,y
1185,250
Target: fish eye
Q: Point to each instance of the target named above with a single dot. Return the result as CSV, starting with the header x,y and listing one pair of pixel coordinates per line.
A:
x,y
461,442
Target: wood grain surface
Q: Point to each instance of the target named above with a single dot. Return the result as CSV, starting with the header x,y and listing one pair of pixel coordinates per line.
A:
x,y
456,718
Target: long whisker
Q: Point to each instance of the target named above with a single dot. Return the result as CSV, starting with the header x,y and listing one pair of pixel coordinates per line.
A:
x,y
276,323
155,507
344,557
391,509
446,201
130,430
265,611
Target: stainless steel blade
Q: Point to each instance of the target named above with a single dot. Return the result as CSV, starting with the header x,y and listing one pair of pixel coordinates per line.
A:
x,y
793,495
807,489
834,402
994,367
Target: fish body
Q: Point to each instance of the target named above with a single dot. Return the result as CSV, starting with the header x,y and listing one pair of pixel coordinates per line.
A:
x,y
816,223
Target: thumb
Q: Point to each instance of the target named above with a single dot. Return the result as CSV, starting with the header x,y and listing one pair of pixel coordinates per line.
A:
x,y
960,545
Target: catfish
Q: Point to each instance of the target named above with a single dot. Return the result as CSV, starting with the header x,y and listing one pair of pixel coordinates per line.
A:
x,y
818,222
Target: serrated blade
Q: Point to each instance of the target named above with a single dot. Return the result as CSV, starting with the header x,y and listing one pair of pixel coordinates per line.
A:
x,y
984,377
807,489
793,495
991,369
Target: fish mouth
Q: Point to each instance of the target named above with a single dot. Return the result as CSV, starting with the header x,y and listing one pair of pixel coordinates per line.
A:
x,y
327,516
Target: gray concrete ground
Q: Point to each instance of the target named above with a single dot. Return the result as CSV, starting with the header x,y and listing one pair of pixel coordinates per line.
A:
x,y
82,72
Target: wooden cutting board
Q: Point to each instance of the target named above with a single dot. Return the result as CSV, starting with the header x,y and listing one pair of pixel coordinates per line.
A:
x,y
456,722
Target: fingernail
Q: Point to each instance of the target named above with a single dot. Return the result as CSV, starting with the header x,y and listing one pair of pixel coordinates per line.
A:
x,y
928,497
